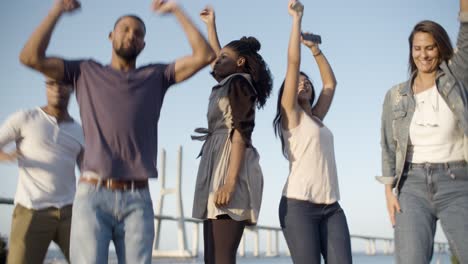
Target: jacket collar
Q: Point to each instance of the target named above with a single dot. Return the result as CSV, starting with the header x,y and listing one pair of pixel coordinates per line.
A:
x,y
406,87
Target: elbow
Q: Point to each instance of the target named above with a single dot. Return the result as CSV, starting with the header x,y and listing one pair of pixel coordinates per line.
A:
x,y
25,60
206,57
29,61
331,86
209,56
203,54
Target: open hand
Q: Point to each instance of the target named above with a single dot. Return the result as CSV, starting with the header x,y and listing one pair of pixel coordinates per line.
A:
x,y
393,206
207,15
223,195
164,6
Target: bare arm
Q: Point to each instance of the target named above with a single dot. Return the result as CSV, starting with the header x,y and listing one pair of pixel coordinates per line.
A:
x,y
12,156
289,103
242,101
224,194
208,16
463,6
328,80
202,54
33,53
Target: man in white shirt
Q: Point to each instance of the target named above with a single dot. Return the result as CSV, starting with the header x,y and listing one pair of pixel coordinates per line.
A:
x,y
48,146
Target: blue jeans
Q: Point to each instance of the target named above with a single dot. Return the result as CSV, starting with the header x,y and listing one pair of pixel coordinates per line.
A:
x,y
101,215
429,193
312,230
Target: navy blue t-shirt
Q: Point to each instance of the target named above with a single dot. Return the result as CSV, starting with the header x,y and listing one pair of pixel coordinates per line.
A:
x,y
120,113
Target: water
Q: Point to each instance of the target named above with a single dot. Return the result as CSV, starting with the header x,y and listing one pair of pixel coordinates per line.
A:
x,y
358,258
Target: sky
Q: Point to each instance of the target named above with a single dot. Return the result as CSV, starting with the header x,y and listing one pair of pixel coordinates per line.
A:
x,y
365,42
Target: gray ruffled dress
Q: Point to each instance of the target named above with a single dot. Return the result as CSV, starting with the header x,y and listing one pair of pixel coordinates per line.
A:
x,y
231,106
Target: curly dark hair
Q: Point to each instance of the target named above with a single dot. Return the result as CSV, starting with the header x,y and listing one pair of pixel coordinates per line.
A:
x,y
248,48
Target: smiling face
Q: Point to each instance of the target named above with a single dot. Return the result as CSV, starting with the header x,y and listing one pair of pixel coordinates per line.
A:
x,y
304,89
227,63
128,38
425,52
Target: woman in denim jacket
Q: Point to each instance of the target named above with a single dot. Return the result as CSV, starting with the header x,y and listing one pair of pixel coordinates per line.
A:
x,y
425,147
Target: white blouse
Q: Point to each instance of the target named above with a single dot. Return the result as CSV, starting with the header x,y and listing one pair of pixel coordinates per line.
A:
x,y
433,137
310,150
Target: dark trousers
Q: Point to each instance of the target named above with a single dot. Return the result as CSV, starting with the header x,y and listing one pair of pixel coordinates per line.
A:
x,y
221,239
312,230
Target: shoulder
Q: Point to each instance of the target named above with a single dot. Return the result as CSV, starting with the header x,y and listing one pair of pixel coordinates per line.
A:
x,y
397,91
399,87
20,117
83,62
156,66
240,82
26,114
238,77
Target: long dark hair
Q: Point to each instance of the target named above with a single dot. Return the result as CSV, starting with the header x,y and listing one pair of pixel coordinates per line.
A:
x,y
277,122
441,39
248,48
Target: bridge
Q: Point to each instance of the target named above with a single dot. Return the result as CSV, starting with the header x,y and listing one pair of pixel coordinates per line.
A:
x,y
273,234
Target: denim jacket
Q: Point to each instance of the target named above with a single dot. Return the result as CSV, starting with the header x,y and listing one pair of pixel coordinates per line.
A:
x,y
399,106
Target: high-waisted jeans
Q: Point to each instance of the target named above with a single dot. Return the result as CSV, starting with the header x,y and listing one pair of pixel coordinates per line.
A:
x,y
431,192
312,230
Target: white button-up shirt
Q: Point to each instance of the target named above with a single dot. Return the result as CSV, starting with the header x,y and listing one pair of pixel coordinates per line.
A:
x,y
49,152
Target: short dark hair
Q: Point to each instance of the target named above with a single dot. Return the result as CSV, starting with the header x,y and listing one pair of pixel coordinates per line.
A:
x,y
441,39
131,16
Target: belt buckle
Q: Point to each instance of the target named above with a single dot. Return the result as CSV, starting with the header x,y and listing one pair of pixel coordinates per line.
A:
x,y
109,184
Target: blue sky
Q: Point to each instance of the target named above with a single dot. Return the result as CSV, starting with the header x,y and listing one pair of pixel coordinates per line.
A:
x,y
364,40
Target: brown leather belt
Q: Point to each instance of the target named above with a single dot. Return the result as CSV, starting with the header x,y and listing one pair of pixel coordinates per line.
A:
x,y
116,184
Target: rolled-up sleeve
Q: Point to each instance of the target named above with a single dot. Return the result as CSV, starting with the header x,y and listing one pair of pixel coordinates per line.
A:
x,y
242,100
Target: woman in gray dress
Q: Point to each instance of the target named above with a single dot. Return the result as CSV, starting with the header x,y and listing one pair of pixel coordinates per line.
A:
x,y
229,186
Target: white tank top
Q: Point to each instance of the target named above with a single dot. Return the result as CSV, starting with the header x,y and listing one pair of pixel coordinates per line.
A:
x,y
312,169
433,134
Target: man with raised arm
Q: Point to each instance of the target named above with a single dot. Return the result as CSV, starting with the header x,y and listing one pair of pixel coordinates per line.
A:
x,y
119,106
